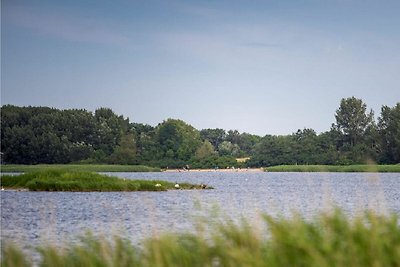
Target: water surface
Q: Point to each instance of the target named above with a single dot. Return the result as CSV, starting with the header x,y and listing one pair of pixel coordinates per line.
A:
x,y
33,218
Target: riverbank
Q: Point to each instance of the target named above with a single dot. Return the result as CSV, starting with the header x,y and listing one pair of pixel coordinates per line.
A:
x,y
141,168
78,167
217,170
334,168
60,180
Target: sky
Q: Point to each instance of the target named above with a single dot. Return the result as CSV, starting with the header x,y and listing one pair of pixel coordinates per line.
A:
x,y
261,67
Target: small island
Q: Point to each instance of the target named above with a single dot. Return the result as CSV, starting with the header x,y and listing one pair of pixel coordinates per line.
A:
x,y
78,181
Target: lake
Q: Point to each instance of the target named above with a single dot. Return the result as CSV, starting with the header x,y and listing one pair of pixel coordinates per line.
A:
x,y
33,218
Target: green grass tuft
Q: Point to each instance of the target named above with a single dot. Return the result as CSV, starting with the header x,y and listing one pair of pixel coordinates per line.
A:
x,y
334,168
61,180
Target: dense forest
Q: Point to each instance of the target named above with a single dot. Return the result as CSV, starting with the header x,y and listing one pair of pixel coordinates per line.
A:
x,y
33,135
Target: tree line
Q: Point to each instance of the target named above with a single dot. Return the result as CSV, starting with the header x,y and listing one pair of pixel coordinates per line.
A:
x,y
33,135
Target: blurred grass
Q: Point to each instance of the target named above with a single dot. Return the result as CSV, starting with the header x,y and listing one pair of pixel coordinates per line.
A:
x,y
330,239
61,180
334,168
78,167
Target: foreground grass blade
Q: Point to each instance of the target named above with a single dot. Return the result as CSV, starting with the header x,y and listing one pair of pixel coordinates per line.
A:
x,y
330,239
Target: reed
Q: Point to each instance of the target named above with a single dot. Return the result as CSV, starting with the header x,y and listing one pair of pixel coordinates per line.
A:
x,y
61,180
334,168
330,239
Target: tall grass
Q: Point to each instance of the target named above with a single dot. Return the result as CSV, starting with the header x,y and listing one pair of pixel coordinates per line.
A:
x,y
334,168
331,239
60,180
78,167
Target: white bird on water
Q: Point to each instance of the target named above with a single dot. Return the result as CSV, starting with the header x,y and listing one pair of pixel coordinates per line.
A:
x,y
177,186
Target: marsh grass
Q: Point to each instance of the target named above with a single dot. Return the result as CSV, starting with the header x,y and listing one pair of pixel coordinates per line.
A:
x,y
61,180
334,168
79,167
330,239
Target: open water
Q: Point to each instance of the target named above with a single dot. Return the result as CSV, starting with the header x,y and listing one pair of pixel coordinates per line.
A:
x,y
34,218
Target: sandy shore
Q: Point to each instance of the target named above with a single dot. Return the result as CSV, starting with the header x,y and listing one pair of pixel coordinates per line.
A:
x,y
216,170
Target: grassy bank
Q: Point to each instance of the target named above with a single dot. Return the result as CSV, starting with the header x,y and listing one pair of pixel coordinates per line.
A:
x,y
60,180
334,168
328,240
79,167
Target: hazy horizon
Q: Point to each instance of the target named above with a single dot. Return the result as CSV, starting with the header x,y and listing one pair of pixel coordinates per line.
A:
x,y
265,67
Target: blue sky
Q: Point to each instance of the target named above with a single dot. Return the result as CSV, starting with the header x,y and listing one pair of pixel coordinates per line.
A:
x,y
263,67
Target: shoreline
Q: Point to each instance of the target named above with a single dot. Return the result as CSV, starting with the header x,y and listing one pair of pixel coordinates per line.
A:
x,y
252,170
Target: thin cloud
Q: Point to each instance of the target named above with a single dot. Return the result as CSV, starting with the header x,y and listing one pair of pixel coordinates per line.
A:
x,y
66,27
203,11
262,45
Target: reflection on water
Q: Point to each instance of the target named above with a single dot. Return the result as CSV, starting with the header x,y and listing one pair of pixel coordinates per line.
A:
x,y
55,217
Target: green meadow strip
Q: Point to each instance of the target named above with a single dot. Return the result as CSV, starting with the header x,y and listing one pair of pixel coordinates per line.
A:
x,y
330,239
334,168
61,180
79,167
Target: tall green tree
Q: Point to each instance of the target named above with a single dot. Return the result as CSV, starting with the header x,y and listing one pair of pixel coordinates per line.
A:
x,y
111,127
214,136
352,119
248,143
328,148
205,150
233,136
125,152
274,150
389,130
305,146
145,142
226,148
177,139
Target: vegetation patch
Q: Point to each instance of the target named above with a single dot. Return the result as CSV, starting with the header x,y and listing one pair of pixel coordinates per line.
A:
x,y
43,135
334,168
78,167
331,239
60,180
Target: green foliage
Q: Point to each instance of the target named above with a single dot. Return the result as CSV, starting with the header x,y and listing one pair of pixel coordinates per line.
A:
x,y
335,240
330,239
352,119
273,150
11,256
205,150
41,135
226,148
125,152
389,129
60,180
214,136
213,161
334,168
177,139
79,167
110,128
356,133
92,252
